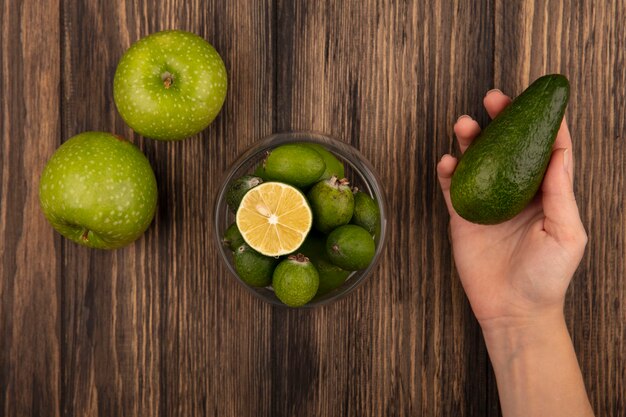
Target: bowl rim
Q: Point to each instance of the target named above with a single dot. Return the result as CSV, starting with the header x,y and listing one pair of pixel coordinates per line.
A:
x,y
362,166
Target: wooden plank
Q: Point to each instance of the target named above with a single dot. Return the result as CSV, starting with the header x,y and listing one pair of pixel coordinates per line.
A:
x,y
159,328
585,41
390,78
111,311
30,283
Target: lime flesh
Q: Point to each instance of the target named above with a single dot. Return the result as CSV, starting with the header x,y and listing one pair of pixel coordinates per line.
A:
x,y
238,188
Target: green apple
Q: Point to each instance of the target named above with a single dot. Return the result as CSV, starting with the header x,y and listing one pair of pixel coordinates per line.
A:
x,y
170,85
98,190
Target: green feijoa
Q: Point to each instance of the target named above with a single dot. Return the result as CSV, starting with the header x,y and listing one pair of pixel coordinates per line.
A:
x,y
252,267
331,276
332,203
366,212
314,246
295,280
333,165
232,237
350,247
260,172
238,188
294,164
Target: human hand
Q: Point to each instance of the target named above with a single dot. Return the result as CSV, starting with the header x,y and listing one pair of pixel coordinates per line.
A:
x,y
517,272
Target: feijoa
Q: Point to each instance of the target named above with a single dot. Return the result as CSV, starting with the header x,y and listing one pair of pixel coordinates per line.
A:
x,y
294,164
232,237
295,281
333,165
238,188
259,171
350,247
331,276
252,267
332,203
366,213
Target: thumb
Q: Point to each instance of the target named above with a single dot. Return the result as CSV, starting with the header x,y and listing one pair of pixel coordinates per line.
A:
x,y
562,220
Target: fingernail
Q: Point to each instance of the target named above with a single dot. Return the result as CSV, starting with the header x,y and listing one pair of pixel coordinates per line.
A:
x,y
465,116
566,159
493,90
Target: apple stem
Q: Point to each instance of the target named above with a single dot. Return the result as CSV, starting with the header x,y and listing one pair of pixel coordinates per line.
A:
x,y
85,235
167,79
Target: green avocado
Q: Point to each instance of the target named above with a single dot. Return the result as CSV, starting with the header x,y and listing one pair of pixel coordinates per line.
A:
x,y
501,171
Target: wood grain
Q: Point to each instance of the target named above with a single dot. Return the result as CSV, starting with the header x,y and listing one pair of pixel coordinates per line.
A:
x,y
30,252
179,329
160,329
584,41
391,93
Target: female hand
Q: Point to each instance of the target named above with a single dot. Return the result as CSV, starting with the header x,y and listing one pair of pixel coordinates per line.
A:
x,y
518,270
516,274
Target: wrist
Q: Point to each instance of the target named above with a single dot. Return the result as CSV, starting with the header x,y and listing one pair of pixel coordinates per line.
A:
x,y
507,338
523,319
536,366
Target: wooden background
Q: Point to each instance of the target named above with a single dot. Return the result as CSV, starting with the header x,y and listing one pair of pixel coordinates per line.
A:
x,y
160,329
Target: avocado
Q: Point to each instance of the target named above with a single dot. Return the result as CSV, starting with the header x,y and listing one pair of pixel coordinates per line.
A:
x,y
501,171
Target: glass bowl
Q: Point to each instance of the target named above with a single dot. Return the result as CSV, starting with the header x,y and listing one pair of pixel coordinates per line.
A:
x,y
358,171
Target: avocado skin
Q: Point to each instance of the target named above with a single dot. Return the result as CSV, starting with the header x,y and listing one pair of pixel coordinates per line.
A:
x,y
501,171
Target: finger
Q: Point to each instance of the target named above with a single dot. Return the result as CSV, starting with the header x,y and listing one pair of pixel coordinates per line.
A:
x,y
495,101
445,170
562,220
564,141
465,129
